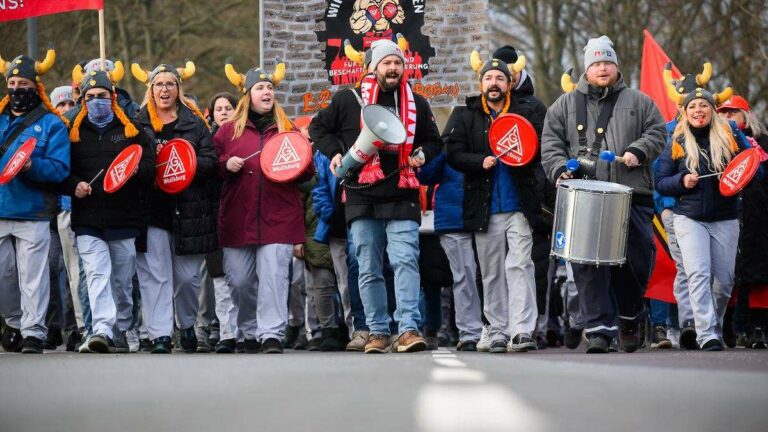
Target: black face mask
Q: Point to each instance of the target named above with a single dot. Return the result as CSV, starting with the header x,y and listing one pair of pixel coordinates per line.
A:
x,y
24,100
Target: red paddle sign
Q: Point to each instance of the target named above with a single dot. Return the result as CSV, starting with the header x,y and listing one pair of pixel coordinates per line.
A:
x,y
17,161
739,172
285,157
513,140
176,166
122,168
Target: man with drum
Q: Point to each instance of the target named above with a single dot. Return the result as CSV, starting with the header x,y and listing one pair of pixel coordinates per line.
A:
x,y
382,199
500,204
603,114
34,155
106,212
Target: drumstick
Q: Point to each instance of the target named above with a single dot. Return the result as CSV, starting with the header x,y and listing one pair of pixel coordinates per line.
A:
x,y
96,176
248,157
711,175
610,156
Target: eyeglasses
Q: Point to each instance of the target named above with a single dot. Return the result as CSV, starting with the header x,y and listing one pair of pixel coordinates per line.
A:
x,y
167,86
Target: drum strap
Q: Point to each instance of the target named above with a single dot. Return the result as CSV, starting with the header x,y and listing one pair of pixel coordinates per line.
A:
x,y
35,115
588,156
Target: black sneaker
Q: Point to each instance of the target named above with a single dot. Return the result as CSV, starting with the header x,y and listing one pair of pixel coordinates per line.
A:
x,y
553,339
252,346
614,345
291,336
498,346
314,344
101,343
73,340
521,343
573,337
145,345
11,339
240,347
121,343
53,339
712,345
467,346
598,344
629,336
161,345
203,346
688,338
659,340
301,343
32,345
188,340
330,340
226,346
541,342
756,339
272,346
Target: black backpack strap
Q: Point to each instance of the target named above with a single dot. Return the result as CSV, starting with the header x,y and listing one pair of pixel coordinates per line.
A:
x,y
35,115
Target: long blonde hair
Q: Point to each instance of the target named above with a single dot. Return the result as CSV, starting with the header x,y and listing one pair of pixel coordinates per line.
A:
x,y
240,118
722,145
753,124
149,102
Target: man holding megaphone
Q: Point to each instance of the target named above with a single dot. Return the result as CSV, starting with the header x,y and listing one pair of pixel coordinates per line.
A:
x,y
386,132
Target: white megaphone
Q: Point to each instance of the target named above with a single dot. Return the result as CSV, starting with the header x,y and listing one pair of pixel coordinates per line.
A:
x,y
380,126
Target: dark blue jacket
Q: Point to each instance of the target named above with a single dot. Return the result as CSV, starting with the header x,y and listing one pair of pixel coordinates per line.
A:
x,y
449,197
323,197
704,202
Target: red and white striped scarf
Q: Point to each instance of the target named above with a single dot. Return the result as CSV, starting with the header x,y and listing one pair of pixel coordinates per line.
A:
x,y
371,172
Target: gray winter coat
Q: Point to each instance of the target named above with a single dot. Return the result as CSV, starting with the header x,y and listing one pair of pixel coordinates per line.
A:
x,y
636,127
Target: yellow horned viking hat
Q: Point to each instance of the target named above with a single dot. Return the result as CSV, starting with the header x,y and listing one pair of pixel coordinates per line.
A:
x,y
481,67
678,89
25,67
566,82
148,78
253,76
106,80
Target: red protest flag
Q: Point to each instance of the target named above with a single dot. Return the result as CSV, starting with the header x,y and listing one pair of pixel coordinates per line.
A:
x,y
19,9
651,79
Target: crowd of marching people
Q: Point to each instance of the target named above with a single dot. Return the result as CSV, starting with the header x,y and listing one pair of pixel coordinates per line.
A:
x,y
431,241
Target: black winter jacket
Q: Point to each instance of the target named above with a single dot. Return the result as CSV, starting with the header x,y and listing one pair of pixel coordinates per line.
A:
x,y
336,128
752,260
468,146
193,218
95,152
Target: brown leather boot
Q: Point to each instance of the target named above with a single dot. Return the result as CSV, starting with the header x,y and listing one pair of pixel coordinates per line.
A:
x,y
411,341
377,344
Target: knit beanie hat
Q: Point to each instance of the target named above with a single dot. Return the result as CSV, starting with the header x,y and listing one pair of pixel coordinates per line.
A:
x,y
383,48
61,94
599,49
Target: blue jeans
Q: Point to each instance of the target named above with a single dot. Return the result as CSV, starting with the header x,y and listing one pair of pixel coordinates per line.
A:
x,y
659,312
356,303
400,238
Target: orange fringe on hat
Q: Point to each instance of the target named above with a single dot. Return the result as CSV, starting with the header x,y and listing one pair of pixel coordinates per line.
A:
x,y
47,103
504,110
678,151
130,129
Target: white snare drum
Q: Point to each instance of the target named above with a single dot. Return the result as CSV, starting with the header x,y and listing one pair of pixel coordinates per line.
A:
x,y
591,222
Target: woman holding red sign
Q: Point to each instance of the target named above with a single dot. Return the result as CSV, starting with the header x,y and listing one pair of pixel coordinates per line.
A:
x,y
180,217
705,220
106,215
259,220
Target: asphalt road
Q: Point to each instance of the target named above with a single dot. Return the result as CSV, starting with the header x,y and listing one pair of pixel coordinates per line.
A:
x,y
550,390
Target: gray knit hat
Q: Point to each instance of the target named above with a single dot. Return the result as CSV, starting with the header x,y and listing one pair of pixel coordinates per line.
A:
x,y
599,49
495,64
383,48
61,94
